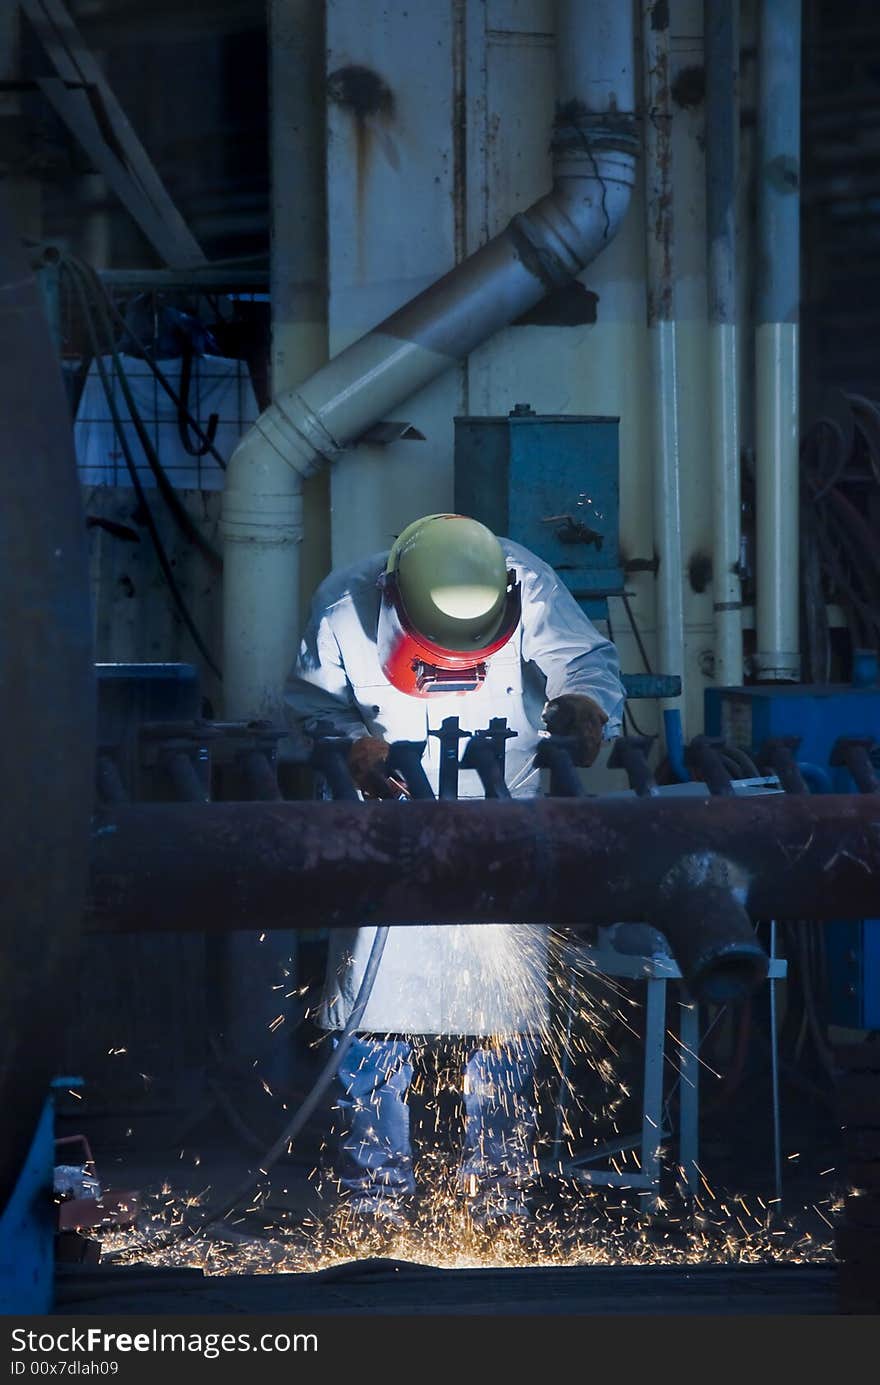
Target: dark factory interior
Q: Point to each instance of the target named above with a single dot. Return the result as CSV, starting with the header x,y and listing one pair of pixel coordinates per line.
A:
x,y
440,616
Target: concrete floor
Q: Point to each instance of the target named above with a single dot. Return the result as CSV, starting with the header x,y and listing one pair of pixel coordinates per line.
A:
x,y
151,1153
389,1287
373,1284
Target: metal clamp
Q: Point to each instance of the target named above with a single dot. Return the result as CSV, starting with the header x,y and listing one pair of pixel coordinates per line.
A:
x,y
449,736
853,753
555,754
630,753
703,756
780,754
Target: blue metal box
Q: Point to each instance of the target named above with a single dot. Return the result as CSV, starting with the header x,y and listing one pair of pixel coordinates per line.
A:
x,y
549,482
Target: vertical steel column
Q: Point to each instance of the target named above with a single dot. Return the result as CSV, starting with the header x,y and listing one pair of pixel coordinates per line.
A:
x,y
652,1101
721,28
47,706
689,1098
299,241
776,340
774,1072
267,584
662,338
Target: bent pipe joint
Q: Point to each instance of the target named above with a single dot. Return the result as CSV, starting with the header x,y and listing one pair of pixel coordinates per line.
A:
x,y
701,910
576,128
560,234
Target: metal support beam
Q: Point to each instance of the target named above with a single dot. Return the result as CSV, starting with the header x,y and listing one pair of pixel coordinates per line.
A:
x,y
83,99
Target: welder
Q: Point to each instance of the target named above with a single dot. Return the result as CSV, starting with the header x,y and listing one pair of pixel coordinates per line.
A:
x,y
452,622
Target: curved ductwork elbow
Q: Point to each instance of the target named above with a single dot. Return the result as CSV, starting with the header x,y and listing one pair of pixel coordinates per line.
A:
x,y
595,148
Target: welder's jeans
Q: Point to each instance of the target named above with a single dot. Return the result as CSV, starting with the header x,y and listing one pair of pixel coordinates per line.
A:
x,y
499,1128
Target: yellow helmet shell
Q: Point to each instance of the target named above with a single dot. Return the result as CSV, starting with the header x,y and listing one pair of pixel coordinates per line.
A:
x,y
451,576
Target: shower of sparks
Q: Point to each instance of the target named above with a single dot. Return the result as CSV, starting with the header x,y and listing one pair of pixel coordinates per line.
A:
x,y
468,1209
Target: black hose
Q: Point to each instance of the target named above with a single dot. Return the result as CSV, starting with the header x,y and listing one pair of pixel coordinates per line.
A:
x,y
150,522
627,714
637,634
192,449
161,378
743,765
163,482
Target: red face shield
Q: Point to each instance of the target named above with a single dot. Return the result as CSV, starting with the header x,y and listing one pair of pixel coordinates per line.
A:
x,y
420,668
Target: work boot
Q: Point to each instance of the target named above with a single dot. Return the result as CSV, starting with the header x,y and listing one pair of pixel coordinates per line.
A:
x,y
376,1213
497,1209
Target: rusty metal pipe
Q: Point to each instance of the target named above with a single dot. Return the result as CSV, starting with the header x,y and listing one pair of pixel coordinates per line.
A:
x,y
660,281
853,753
780,753
721,28
221,867
708,929
188,784
260,774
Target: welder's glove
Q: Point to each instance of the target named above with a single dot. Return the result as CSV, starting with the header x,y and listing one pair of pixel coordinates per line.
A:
x,y
577,716
367,763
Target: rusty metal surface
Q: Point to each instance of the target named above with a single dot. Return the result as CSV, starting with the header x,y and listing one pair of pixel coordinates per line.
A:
x,y
304,864
658,161
47,706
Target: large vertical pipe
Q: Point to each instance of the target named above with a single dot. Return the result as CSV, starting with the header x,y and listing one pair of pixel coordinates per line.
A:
x,y
776,339
298,524
278,527
721,27
662,338
47,711
595,71
299,241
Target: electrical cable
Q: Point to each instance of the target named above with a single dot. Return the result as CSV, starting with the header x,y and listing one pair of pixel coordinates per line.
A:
x,y
161,377
627,714
149,520
822,1049
636,633
163,482
841,556
192,449
819,441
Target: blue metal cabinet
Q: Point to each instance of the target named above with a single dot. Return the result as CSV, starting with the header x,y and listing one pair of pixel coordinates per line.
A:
x,y
748,716
551,483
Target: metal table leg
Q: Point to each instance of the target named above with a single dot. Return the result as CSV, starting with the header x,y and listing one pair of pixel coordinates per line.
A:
x,y
652,1105
689,1099
774,1070
564,1084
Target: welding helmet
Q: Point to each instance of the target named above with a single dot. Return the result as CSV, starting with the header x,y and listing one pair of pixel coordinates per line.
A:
x,y
448,603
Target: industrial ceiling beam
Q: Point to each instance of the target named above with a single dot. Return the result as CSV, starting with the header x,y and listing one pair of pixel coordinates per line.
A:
x,y
83,99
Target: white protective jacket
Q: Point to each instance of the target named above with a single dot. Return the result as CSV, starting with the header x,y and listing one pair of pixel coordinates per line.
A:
x,y
480,979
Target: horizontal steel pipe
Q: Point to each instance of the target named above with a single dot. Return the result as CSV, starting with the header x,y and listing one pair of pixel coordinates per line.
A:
x,y
222,866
